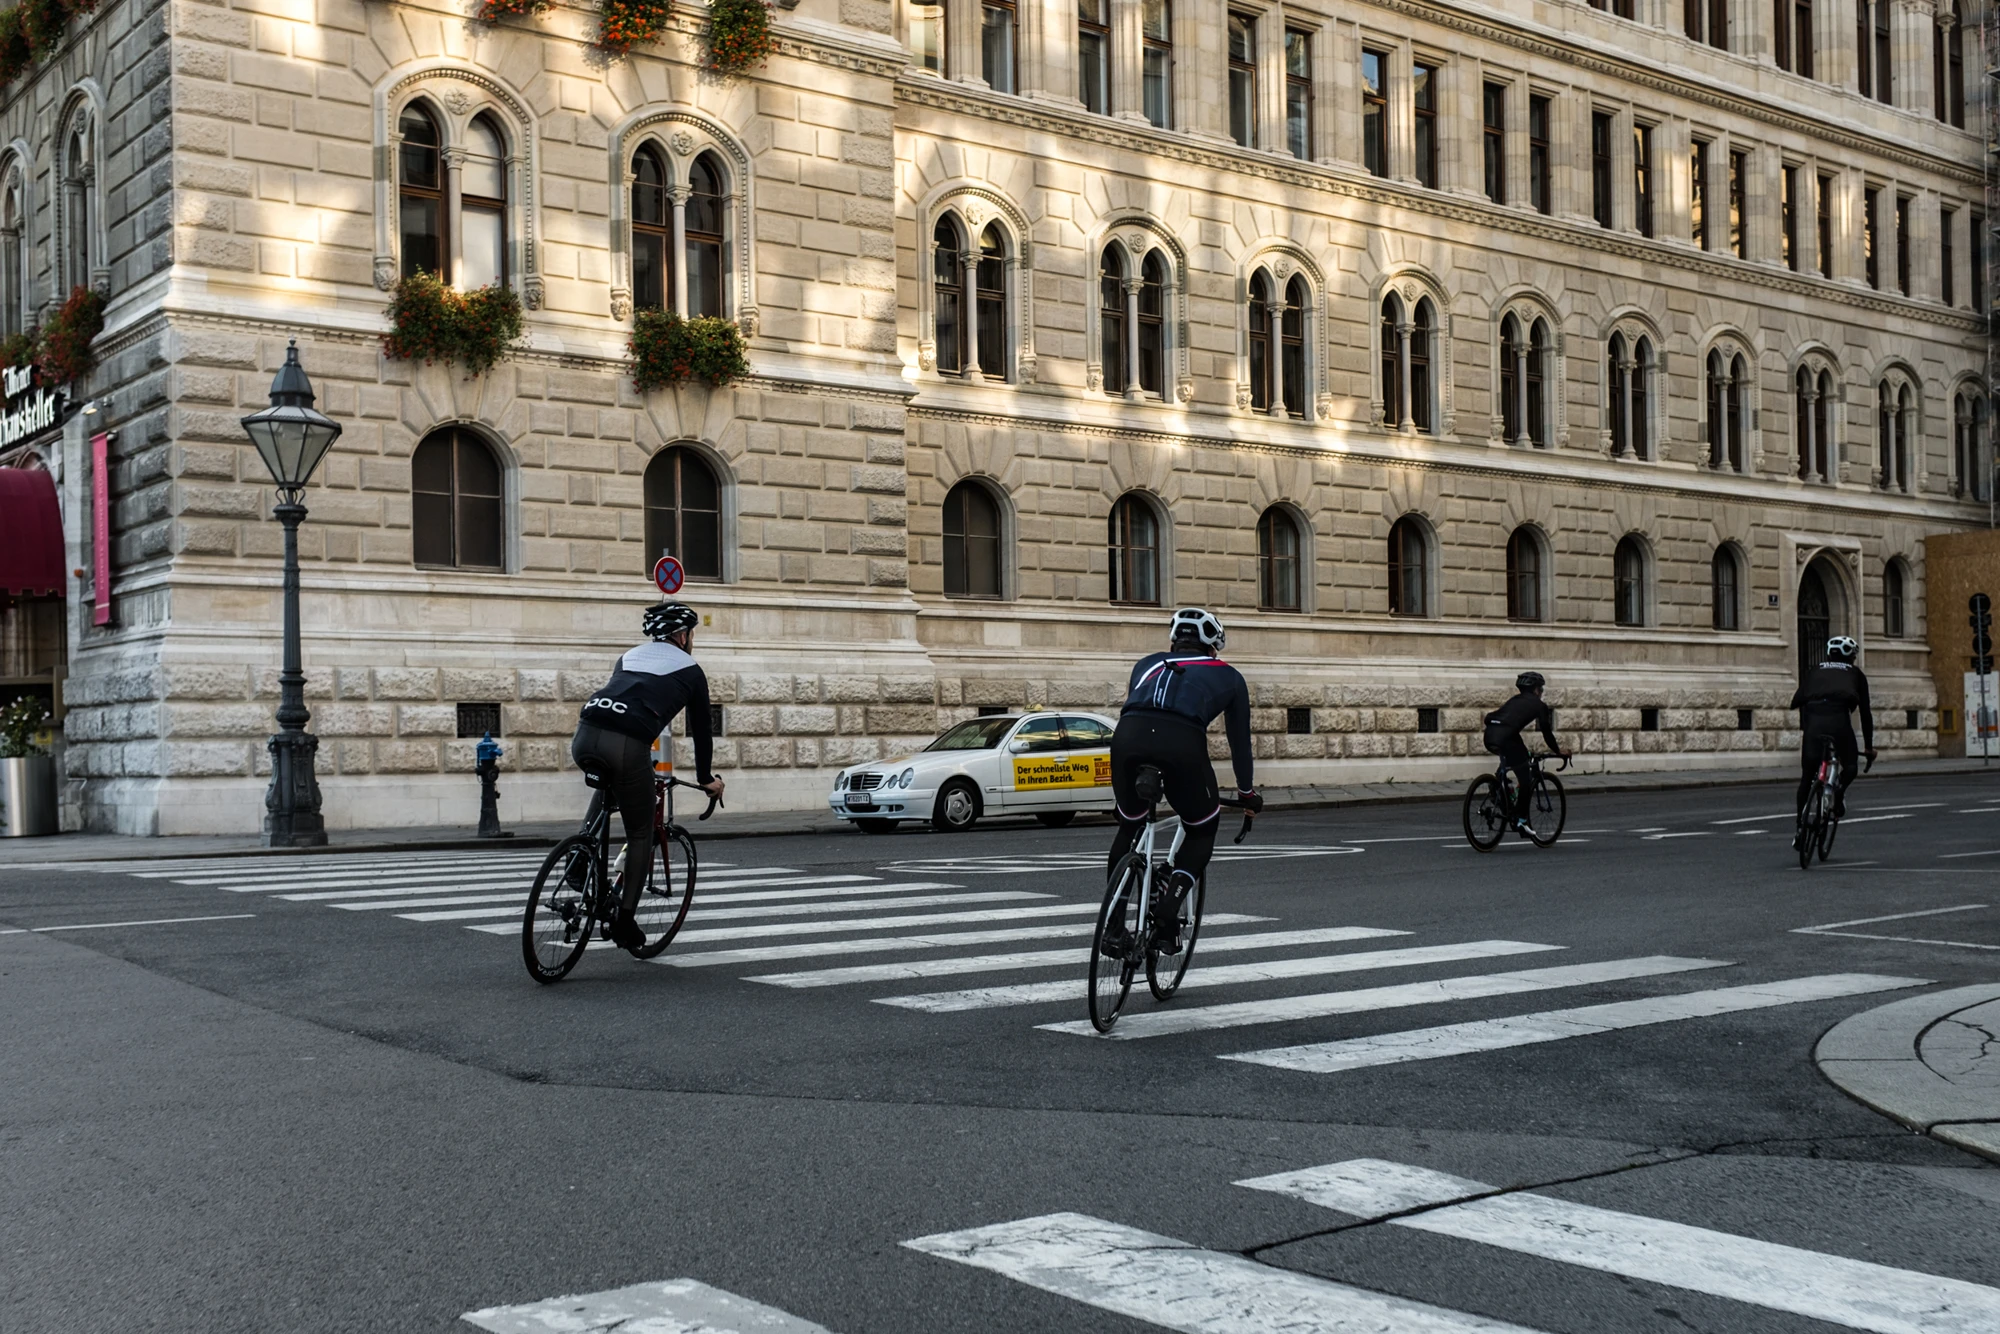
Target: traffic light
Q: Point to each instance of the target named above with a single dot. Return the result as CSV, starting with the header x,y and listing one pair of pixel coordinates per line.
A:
x,y
1982,633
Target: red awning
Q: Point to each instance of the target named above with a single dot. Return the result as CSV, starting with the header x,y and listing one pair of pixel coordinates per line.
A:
x,y
31,536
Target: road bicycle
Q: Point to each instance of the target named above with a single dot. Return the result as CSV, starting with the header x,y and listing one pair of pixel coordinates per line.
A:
x,y
1489,805
1819,818
578,889
1132,899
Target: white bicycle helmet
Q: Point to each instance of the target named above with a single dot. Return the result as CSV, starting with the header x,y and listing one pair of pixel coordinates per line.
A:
x,y
1197,623
1842,648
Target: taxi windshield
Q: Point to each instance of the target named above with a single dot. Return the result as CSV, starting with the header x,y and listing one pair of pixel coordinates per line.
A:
x,y
974,734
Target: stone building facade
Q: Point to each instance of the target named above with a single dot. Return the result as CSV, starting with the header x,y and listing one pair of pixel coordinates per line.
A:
x,y
1424,342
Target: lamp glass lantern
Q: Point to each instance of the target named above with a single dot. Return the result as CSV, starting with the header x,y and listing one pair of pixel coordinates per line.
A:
x,y
291,435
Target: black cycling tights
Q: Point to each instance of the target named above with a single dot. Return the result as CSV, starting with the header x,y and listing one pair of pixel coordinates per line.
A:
x,y
627,766
1844,751
1178,748
1197,845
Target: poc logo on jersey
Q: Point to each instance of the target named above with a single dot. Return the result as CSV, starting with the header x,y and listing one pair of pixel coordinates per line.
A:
x,y
602,702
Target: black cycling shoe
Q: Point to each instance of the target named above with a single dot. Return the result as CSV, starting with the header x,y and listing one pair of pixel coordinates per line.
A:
x,y
1167,938
1840,808
625,932
1117,942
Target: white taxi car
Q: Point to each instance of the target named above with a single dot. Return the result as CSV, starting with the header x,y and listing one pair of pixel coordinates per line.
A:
x,y
1046,764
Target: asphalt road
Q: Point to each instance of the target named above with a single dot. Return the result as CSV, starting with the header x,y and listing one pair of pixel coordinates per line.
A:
x,y
344,1112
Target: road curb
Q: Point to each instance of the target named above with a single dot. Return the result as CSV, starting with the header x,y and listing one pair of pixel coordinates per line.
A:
x,y
1922,1062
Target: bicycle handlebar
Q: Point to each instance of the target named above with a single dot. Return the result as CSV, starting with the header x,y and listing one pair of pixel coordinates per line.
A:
x,y
1248,816
713,800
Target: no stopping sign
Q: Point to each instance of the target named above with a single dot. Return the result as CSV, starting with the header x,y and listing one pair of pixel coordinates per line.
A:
x,y
667,573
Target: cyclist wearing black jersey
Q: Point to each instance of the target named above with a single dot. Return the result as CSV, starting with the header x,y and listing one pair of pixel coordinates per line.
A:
x,y
616,731
1172,698
1503,736
1830,692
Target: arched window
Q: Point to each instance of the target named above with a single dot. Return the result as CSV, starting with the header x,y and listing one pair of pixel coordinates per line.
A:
x,y
1725,597
1135,551
707,209
971,542
1278,553
652,231
482,206
1811,413
13,284
684,512
1953,81
1524,576
1640,388
1727,385
1618,406
1395,363
455,502
1894,583
1409,568
1292,347
1628,372
990,304
1540,357
420,192
1628,570
79,204
948,278
1513,353
1735,417
1152,331
1422,329
1263,368
1111,319
1970,478
1889,443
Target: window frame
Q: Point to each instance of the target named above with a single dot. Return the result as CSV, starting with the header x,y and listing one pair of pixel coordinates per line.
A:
x,y
660,233
1375,112
1263,362
1642,177
1725,593
1407,576
1156,50
1947,254
967,486
1541,186
1271,562
1698,210
1895,595
709,162
1123,551
1903,210
1739,205
932,20
1527,600
1823,184
1424,100
1493,138
1111,322
1871,235
1629,593
498,207
1096,30
456,439
988,65
1788,215
1293,365
1299,93
675,457
1241,69
1603,189
435,194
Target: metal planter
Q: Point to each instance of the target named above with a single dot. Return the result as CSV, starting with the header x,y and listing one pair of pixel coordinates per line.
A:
x,y
27,797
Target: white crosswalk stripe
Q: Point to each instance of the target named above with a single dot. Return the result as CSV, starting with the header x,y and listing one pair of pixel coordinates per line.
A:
x,y
1855,1293
767,910
677,1306
1319,965
812,949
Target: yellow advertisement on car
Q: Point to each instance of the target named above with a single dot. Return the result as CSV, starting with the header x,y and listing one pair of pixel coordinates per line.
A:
x,y
1039,773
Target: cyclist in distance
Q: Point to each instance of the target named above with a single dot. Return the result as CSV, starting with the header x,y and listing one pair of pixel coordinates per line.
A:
x,y
1172,699
616,731
1824,699
1503,737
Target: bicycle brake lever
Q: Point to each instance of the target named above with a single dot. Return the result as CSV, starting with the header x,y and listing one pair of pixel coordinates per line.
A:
x,y
1244,832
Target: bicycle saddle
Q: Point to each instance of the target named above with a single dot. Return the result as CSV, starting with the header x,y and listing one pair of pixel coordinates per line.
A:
x,y
1149,784
593,775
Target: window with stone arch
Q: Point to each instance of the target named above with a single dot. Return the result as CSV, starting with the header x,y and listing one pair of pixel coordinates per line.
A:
x,y
1410,562
1725,588
971,308
454,196
1409,348
457,502
1135,549
1895,598
1527,574
684,512
1528,378
13,249
680,216
1277,320
1815,400
1895,423
1630,366
972,541
1631,577
78,243
1971,461
1136,317
1726,390
1281,551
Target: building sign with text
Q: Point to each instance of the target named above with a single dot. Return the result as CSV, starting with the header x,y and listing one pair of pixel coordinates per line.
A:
x,y
30,407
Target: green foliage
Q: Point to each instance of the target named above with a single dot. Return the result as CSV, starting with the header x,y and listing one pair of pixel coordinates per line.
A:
x,y
429,320
739,34
623,24
18,349
492,11
668,350
64,353
32,30
19,722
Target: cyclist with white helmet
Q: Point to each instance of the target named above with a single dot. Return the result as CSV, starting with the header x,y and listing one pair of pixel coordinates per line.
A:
x,y
1172,698
1830,692
617,728
1503,737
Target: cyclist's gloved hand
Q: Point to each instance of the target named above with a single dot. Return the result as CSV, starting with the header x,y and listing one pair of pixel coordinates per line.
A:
x,y
1251,801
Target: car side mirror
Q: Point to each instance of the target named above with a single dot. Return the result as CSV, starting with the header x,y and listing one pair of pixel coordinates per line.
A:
x,y
1018,747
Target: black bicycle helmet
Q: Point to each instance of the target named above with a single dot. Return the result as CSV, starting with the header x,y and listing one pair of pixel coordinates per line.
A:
x,y
663,619
1530,681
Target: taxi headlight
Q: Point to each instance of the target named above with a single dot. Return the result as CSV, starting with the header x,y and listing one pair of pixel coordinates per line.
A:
x,y
908,777
840,780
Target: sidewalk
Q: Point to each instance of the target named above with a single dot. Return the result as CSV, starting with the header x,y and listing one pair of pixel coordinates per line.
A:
x,y
121,847
1931,1062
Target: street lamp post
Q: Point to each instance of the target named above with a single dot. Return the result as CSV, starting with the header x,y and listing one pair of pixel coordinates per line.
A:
x,y
292,437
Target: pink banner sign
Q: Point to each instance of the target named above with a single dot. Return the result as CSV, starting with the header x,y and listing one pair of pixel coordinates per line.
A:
x,y
100,527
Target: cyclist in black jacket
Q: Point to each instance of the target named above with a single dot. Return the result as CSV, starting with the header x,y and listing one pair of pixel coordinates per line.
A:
x,y
1503,736
1824,699
1172,698
615,735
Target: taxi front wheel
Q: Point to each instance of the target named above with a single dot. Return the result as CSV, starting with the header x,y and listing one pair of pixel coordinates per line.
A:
x,y
957,807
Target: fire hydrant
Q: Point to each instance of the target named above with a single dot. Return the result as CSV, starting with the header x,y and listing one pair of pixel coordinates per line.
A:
x,y
488,769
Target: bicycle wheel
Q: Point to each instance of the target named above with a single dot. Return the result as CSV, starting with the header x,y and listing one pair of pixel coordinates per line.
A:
x,y
1485,813
1165,971
664,905
1809,829
1548,810
1111,976
556,927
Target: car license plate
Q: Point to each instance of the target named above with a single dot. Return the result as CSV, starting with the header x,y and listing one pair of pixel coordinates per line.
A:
x,y
854,805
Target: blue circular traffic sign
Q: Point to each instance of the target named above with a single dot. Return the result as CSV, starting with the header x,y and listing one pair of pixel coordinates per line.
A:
x,y
667,573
